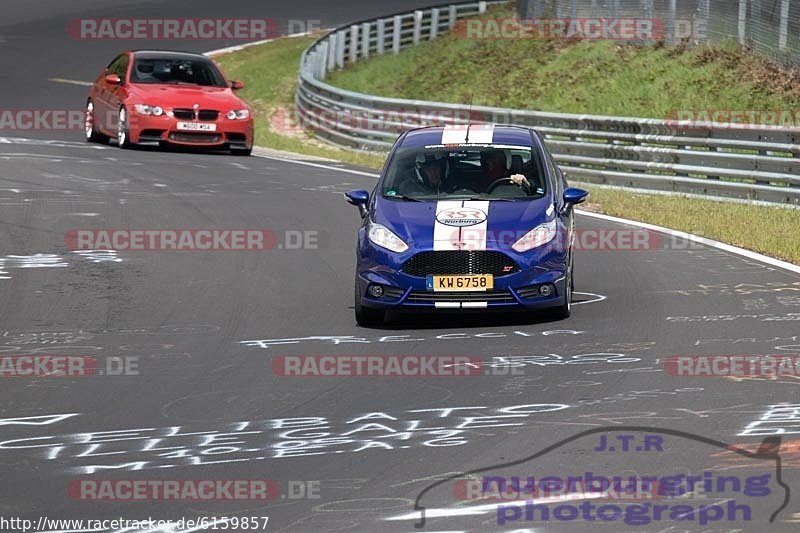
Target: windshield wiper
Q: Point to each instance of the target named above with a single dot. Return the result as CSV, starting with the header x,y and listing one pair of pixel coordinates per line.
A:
x,y
403,197
489,198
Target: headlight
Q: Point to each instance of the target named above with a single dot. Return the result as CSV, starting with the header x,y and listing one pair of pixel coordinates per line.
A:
x,y
144,109
538,236
381,236
238,114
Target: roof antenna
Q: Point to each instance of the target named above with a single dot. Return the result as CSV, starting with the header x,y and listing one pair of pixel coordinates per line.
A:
x,y
469,117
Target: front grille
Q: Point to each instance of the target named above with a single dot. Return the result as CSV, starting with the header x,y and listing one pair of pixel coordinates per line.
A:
x,y
207,114
183,114
454,262
196,137
494,296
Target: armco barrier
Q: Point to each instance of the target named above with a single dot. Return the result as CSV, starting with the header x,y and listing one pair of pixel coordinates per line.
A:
x,y
756,163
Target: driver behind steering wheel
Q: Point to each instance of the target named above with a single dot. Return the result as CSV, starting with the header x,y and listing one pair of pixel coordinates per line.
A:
x,y
494,166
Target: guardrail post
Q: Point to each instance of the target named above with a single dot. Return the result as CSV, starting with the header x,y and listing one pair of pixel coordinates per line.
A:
x,y
742,22
671,16
593,7
352,56
572,9
614,9
482,7
434,23
322,66
380,37
332,51
340,38
522,9
365,29
755,22
451,16
396,27
537,9
784,27
647,9
417,26
701,28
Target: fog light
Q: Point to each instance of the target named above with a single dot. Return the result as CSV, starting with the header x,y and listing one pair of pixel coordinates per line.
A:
x,y
376,291
547,289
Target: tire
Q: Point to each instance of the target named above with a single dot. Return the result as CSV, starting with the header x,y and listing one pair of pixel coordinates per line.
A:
x,y
123,130
565,310
365,316
241,151
92,134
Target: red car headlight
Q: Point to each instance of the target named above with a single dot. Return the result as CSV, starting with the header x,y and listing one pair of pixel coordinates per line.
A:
x,y
144,109
238,114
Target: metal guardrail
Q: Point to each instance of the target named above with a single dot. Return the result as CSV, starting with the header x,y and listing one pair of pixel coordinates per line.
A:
x,y
760,164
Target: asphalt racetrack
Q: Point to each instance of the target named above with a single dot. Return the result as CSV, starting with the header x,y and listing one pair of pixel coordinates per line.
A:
x,y
201,398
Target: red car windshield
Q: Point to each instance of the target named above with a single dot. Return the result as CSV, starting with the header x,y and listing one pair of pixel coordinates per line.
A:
x,y
177,72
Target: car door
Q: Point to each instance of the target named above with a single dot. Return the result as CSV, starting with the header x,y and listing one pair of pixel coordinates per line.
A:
x,y
108,94
557,182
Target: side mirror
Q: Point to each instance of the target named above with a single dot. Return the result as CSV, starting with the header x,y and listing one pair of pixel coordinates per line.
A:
x,y
113,79
236,85
574,196
358,198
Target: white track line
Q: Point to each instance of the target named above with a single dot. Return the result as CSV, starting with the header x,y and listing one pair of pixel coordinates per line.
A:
x,y
71,82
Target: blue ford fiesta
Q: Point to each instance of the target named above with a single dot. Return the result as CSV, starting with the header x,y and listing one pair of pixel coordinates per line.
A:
x,y
466,218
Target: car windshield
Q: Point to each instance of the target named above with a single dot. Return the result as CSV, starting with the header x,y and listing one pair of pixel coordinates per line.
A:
x,y
460,172
177,71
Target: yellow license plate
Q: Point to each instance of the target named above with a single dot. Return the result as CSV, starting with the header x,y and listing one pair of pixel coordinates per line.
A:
x,y
478,282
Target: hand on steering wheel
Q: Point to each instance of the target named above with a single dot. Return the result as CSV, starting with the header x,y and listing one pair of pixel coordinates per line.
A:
x,y
514,180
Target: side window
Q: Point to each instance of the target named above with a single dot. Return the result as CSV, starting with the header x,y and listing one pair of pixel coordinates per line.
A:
x,y
558,183
122,67
112,67
119,66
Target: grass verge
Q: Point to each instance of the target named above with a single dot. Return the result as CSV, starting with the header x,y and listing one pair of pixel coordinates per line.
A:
x,y
598,77
270,74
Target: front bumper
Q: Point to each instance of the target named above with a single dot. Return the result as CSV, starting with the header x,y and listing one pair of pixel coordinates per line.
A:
x,y
146,129
513,292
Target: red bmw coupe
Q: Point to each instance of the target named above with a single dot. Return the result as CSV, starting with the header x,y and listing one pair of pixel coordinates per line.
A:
x,y
158,97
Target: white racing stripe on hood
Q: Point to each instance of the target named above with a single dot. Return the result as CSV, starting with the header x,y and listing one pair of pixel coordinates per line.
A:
x,y
474,237
445,237
478,134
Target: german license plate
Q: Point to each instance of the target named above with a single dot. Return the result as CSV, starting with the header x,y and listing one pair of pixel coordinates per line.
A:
x,y
196,126
477,282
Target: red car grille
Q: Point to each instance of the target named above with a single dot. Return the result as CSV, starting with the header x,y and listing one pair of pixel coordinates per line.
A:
x,y
190,114
207,138
183,114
